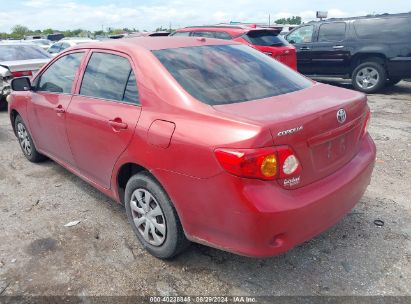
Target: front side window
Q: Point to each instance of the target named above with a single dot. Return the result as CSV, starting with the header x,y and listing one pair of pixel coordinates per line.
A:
x,y
301,35
58,78
224,74
110,77
55,48
332,32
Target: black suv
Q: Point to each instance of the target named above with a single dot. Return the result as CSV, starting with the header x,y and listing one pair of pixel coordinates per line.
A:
x,y
372,51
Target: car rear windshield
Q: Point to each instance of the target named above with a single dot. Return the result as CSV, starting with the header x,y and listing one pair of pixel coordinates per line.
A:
x,y
224,74
21,52
265,38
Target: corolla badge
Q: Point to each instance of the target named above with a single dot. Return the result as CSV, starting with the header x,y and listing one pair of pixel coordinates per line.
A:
x,y
341,116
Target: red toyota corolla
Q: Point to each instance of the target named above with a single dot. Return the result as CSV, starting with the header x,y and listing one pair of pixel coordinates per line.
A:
x,y
201,139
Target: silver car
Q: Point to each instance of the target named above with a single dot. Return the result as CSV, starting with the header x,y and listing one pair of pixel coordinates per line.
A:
x,y
18,60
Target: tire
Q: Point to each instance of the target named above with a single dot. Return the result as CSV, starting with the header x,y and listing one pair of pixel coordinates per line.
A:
x,y
26,142
393,81
158,230
369,77
3,103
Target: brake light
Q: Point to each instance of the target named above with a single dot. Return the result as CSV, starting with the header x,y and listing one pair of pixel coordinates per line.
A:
x,y
21,73
366,123
264,163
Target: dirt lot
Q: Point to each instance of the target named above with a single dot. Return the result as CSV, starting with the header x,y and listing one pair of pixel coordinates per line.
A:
x,y
101,256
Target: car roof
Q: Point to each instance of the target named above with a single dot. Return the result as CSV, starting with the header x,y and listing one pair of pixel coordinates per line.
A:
x,y
233,30
152,44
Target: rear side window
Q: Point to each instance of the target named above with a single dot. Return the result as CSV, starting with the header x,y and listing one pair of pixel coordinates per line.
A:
x,y
265,38
224,74
203,34
384,28
181,34
110,77
332,32
58,78
21,52
222,35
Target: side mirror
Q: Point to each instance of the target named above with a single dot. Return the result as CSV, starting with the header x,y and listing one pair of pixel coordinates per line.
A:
x,y
21,84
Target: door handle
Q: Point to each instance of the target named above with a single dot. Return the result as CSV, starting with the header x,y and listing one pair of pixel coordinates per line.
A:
x,y
338,47
59,109
118,124
304,48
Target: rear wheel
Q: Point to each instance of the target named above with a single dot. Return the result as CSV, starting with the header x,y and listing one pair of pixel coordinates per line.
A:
x,y
26,142
153,217
369,77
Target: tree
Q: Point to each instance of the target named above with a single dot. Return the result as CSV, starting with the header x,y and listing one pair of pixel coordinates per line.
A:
x,y
293,20
19,31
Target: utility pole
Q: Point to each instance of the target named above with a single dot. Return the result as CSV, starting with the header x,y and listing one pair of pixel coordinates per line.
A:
x,y
269,20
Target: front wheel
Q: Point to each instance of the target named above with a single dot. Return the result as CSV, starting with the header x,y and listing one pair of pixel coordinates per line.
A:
x,y
26,142
153,217
369,77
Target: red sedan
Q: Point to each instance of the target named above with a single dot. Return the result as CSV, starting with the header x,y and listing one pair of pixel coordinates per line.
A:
x,y
201,139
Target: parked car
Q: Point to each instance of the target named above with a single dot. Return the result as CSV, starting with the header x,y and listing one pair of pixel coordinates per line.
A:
x,y
372,51
206,140
43,43
65,43
16,60
264,39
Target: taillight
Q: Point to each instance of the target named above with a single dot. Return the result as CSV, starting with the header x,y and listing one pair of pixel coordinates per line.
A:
x,y
366,123
21,73
264,163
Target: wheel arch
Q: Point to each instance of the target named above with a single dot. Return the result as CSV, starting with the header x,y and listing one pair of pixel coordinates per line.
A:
x,y
13,116
124,173
367,56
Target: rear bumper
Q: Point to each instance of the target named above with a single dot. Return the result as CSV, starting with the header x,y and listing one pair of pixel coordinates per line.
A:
x,y
257,218
399,67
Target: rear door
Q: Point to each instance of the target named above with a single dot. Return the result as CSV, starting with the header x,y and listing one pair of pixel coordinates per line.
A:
x,y
330,52
103,115
302,39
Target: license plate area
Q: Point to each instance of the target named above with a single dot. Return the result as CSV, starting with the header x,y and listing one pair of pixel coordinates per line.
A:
x,y
334,152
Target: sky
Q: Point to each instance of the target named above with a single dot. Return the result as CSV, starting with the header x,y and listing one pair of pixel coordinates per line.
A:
x,y
148,15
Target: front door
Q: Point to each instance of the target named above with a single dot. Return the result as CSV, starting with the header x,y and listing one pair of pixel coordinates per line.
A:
x,y
302,39
101,119
50,100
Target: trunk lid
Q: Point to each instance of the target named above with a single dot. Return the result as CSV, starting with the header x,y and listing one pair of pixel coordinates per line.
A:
x,y
306,121
32,65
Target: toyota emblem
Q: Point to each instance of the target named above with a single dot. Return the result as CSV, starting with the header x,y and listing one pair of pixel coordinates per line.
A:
x,y
341,116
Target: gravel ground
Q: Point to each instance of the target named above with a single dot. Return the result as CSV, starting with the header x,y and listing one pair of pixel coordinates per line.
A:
x,y
101,256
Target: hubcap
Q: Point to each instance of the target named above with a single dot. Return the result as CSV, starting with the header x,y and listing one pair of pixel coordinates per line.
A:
x,y
148,217
367,78
24,139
